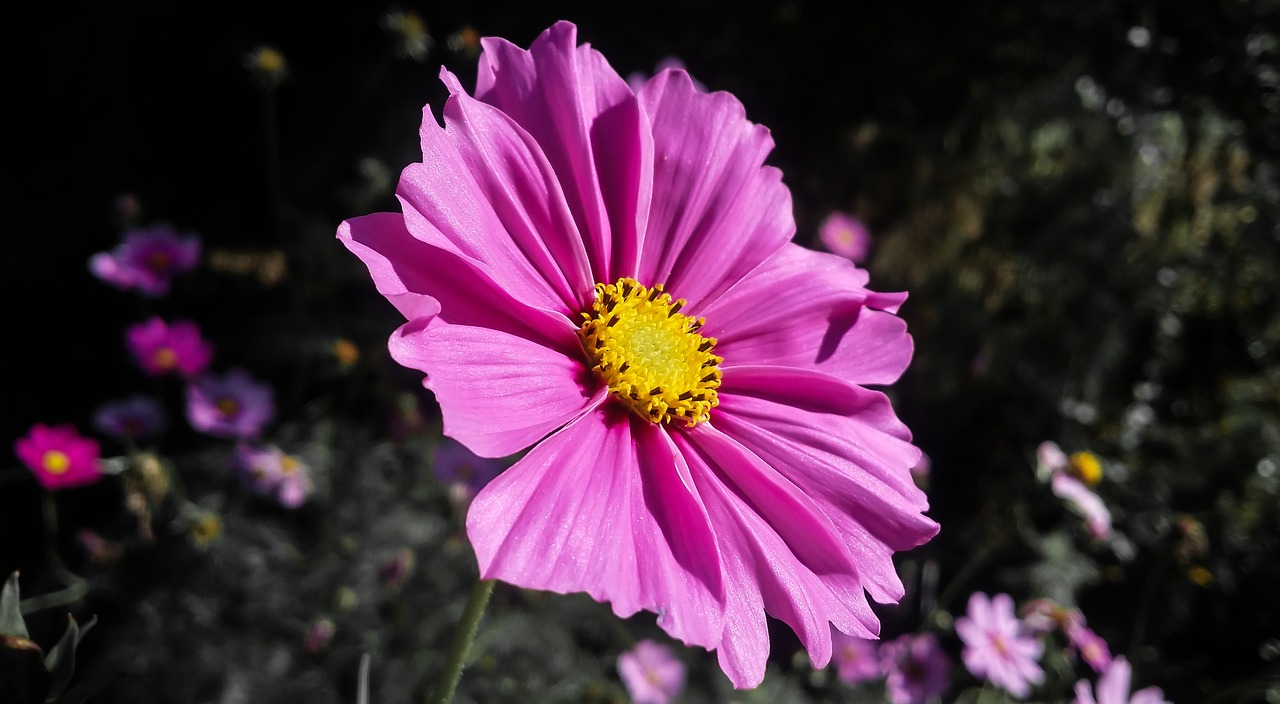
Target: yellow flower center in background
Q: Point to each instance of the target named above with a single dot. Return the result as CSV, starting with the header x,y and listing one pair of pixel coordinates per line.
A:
x,y
651,355
158,262
288,465
1086,466
164,358
228,407
55,462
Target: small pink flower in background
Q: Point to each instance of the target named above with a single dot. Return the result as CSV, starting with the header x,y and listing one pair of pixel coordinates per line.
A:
x,y
131,418
591,273
1113,688
845,236
59,457
996,647
1092,648
916,669
233,405
319,635
269,471
856,659
1051,458
147,260
636,79
1084,502
461,470
164,348
651,673
396,570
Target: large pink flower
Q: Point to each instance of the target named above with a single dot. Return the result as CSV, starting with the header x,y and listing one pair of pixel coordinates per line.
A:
x,y
712,457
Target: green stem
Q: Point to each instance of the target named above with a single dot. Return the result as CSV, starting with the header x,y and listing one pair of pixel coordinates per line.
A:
x,y
962,579
77,587
462,640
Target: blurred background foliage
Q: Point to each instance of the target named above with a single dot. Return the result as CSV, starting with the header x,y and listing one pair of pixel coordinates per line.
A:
x,y
1081,197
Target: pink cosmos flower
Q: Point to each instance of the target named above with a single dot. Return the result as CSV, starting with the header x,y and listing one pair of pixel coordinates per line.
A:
x,y
916,668
606,275
233,405
996,646
133,417
1113,688
857,659
1092,648
162,348
1084,502
846,236
59,457
651,673
269,471
147,260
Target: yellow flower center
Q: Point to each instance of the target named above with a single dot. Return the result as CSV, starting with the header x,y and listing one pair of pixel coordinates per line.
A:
x,y
158,262
651,355
164,358
1086,466
228,407
55,462
288,465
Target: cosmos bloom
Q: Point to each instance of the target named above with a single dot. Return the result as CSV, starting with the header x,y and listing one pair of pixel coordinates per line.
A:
x,y
1084,502
996,647
916,669
233,405
163,348
59,457
1113,688
857,659
269,471
606,275
133,417
846,236
651,673
461,470
1092,648
147,260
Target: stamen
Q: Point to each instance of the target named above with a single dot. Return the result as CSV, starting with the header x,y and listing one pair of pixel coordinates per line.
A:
x,y
636,340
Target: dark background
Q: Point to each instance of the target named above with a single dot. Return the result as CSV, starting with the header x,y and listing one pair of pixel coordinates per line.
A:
x,y
877,107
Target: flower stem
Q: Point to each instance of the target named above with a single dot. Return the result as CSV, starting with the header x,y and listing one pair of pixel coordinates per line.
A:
x,y
462,640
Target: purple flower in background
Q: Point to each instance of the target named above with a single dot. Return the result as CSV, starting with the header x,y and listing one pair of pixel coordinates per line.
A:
x,y
996,647
1092,648
1113,688
59,457
269,471
845,236
916,668
651,673
591,274
162,348
1084,502
131,418
233,405
856,659
636,79
147,260
462,470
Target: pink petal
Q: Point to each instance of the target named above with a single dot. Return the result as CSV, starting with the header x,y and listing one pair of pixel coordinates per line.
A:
x,y
717,211
605,506
511,170
423,281
809,309
1113,685
498,392
1084,693
588,124
779,555
843,447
